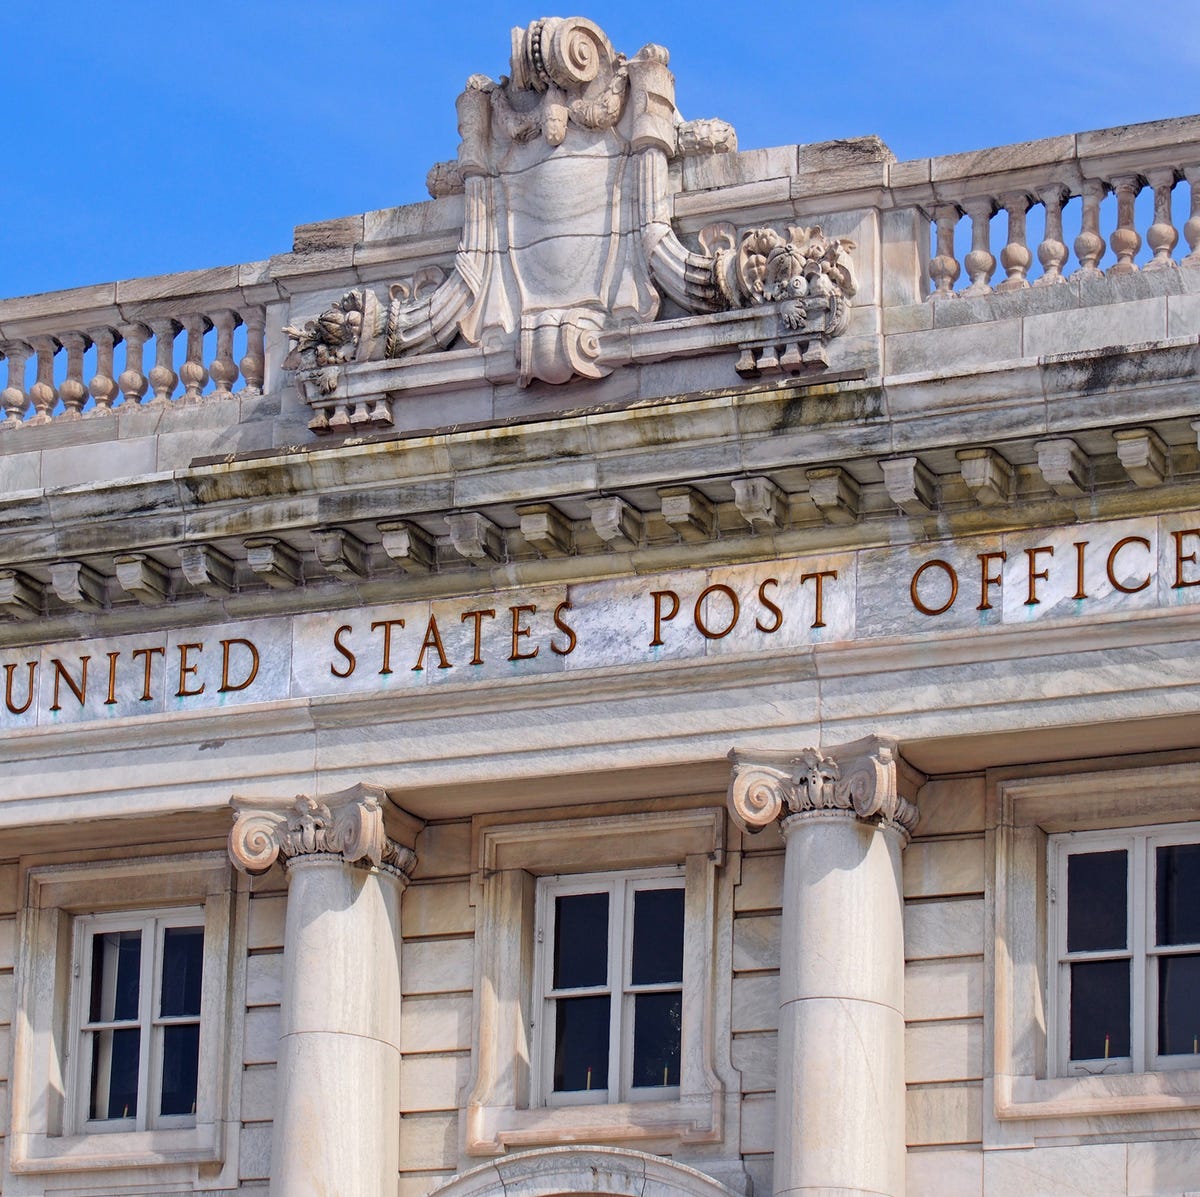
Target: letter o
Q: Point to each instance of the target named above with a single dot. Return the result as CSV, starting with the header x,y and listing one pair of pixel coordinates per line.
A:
x,y
701,625
916,578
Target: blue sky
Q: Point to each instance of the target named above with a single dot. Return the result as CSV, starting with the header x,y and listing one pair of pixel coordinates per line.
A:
x,y
143,137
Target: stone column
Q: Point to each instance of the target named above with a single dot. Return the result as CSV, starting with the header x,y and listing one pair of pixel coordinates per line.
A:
x,y
337,1114
840,1082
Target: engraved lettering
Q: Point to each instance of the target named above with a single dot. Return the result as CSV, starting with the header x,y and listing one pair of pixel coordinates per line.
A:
x,y
9,670
186,671
518,631
1112,561
819,604
433,639
351,659
228,687
111,700
478,616
561,624
914,594
387,625
78,689
1080,593
770,606
1182,558
700,619
661,616
1036,575
987,579
148,653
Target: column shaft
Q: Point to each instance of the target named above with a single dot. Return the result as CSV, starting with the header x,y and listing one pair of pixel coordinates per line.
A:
x,y
337,1114
840,1088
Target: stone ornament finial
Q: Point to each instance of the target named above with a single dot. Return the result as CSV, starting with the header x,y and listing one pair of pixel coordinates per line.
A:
x,y
348,824
860,780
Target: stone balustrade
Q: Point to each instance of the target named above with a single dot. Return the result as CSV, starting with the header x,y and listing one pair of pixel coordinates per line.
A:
x,y
66,361
1083,194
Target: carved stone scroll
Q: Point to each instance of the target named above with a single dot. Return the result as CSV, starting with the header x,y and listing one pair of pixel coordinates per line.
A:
x,y
348,824
861,780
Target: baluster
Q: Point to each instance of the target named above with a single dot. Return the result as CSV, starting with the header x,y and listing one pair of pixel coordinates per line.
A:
x,y
163,377
103,387
223,368
1089,245
133,382
1015,256
73,392
43,392
1126,240
980,262
1052,252
943,267
13,398
253,364
1191,230
192,373
1161,236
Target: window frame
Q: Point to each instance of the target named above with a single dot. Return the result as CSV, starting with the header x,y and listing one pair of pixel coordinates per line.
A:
x,y
1141,949
501,1110
153,924
621,886
47,1134
1027,808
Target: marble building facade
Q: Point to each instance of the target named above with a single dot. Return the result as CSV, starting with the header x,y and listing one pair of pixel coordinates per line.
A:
x,y
662,668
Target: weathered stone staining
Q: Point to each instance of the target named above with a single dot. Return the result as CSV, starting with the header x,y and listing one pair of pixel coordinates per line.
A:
x,y
464,541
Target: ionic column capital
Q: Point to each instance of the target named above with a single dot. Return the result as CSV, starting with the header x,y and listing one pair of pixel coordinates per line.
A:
x,y
867,779
347,825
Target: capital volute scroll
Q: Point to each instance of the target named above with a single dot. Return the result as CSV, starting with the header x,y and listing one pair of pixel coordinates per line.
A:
x,y
348,825
865,780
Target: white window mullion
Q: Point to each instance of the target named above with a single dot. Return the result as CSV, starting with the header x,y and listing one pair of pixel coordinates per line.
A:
x,y
618,971
149,970
1142,1001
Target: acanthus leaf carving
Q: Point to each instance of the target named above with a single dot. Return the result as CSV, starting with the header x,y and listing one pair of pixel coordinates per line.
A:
x,y
861,780
348,824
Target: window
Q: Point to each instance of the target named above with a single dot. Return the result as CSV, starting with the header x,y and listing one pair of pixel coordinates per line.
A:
x,y
1126,973
137,1005
1094,956
614,1028
129,991
611,968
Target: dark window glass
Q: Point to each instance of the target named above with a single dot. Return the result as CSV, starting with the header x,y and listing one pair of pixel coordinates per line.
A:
x,y
580,941
1096,885
183,964
581,1043
1099,1009
657,936
1177,876
181,1058
656,1031
116,975
1179,1005
115,1073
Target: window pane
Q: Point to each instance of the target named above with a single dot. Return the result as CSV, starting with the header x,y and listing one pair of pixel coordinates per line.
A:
x,y
656,1030
657,936
183,963
116,975
1099,1009
581,1044
115,1073
1177,875
1096,884
580,940
1179,1005
181,1057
